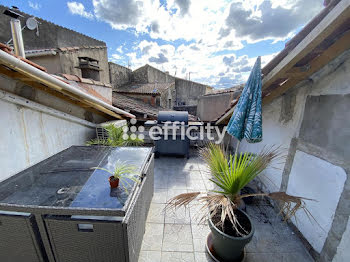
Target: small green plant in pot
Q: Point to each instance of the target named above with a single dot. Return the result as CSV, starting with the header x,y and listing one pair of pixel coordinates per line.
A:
x,y
121,173
231,227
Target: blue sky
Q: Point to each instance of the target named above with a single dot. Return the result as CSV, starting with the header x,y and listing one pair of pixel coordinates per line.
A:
x,y
216,42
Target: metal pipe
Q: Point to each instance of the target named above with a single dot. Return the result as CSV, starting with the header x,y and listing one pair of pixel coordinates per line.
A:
x,y
51,81
17,38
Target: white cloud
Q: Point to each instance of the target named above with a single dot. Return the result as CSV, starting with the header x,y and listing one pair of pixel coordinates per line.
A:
x,y
209,28
33,5
79,9
218,71
268,19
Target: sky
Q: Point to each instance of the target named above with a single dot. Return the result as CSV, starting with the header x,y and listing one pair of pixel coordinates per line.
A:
x,y
214,42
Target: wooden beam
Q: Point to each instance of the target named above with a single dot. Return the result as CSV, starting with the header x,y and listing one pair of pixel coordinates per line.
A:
x,y
341,45
337,16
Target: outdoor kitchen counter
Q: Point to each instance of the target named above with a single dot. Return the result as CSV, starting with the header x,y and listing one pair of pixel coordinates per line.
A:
x,y
68,212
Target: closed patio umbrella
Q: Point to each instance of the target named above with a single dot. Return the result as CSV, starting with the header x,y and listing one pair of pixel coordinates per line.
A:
x,y
246,120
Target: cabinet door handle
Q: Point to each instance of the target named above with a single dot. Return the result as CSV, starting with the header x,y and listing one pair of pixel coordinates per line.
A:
x,y
85,227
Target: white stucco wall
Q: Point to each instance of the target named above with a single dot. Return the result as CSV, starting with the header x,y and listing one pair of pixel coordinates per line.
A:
x,y
343,254
29,136
314,178
311,176
278,134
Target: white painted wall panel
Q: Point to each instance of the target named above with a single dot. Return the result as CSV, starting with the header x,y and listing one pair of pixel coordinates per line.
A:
x,y
274,133
314,178
29,136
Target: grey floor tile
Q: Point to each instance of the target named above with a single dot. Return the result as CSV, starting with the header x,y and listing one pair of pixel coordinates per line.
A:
x,y
153,237
196,185
160,195
177,238
177,182
150,256
202,257
264,257
299,256
174,192
180,215
198,214
161,182
194,175
200,234
191,166
156,213
177,257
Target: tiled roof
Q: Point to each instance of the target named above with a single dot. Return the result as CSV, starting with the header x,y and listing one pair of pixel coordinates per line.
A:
x,y
145,89
134,105
85,80
60,49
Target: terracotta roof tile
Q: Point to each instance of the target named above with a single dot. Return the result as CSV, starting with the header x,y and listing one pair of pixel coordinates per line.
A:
x,y
84,80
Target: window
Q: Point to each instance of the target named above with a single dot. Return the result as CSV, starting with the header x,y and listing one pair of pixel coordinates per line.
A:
x,y
89,68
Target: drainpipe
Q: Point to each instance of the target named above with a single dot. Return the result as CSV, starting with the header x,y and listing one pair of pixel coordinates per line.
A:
x,y
51,81
17,38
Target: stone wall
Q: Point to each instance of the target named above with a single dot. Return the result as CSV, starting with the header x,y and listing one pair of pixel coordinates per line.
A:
x,y
188,92
212,106
311,122
149,74
157,76
119,75
167,99
50,35
140,75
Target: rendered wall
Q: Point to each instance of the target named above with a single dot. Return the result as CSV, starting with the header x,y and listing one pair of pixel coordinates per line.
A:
x,y
31,136
312,123
212,106
70,61
36,125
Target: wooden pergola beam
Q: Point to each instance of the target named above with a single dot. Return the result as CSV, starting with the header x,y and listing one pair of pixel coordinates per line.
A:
x,y
296,76
336,17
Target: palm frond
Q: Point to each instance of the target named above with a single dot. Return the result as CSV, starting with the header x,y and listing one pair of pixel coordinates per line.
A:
x,y
182,200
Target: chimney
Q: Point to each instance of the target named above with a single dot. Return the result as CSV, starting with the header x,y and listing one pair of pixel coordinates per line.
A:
x,y
16,31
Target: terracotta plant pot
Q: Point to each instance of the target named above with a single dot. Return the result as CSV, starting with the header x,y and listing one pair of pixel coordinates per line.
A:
x,y
230,248
114,182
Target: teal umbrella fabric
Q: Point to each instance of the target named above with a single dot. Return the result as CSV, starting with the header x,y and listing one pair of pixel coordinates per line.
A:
x,y
246,120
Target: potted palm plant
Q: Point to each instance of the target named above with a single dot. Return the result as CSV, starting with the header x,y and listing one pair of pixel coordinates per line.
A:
x,y
231,228
121,173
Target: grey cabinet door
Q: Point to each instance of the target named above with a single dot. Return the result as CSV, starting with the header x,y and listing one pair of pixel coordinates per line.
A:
x,y
18,239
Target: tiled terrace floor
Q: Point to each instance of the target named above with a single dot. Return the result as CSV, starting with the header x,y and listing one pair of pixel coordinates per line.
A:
x,y
178,236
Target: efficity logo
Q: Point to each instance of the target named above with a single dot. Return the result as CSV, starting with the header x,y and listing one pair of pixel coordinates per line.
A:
x,y
174,131
132,131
